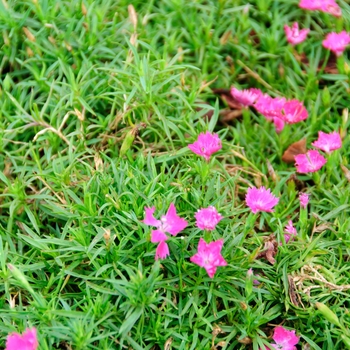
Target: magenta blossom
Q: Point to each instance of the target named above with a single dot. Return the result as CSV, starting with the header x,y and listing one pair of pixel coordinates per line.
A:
x,y
260,199
27,341
170,223
291,231
209,256
310,162
206,145
294,35
284,339
337,42
279,124
304,199
270,107
328,142
294,112
207,218
246,97
312,5
329,6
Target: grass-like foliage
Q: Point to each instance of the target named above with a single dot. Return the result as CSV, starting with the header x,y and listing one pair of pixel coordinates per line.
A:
x,y
99,101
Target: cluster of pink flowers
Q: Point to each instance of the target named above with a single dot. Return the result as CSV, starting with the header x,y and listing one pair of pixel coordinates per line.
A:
x,y
261,199
208,255
336,42
278,110
313,161
27,341
329,6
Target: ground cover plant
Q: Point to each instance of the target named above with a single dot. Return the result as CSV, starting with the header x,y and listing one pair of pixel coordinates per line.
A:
x,y
174,174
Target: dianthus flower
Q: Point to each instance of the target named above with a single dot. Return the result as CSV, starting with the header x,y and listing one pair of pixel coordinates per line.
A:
x,y
310,162
27,341
328,142
291,231
304,199
209,256
311,4
329,6
246,97
293,112
279,124
337,42
260,199
284,339
206,145
294,35
170,223
207,218
270,107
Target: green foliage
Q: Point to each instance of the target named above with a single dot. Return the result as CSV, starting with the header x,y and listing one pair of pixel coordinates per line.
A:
x,y
97,107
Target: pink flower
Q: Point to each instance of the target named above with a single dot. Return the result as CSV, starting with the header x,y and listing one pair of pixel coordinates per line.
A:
x,y
337,42
260,199
328,142
209,256
291,231
270,107
206,145
162,250
207,218
246,97
294,112
279,124
310,162
311,4
170,223
304,199
329,6
27,341
285,340
294,35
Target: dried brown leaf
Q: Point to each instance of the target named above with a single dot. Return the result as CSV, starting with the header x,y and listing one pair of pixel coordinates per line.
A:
x,y
167,345
294,149
226,36
245,340
292,291
228,115
271,171
346,171
29,34
270,249
132,16
323,227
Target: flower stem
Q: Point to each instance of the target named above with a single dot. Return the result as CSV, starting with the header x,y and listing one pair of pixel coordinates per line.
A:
x,y
303,222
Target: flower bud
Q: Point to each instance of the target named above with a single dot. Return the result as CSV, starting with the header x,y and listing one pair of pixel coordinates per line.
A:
x,y
328,314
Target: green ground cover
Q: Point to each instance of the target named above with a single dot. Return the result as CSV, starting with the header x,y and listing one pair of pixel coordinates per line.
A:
x,y
98,105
